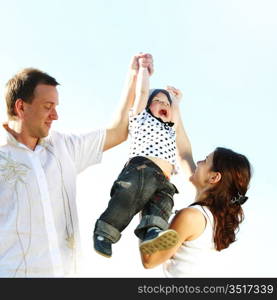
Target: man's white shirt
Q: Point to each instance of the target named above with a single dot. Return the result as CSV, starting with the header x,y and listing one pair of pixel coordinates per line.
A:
x,y
39,232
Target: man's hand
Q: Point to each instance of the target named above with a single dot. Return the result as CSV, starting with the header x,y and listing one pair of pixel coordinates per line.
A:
x,y
142,59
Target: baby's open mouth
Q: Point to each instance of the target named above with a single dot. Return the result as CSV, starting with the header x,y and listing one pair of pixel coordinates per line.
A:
x,y
163,112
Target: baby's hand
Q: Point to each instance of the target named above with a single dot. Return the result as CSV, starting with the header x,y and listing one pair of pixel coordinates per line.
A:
x,y
143,63
146,62
175,93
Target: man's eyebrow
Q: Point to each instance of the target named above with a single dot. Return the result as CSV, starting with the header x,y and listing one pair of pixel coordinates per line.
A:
x,y
50,102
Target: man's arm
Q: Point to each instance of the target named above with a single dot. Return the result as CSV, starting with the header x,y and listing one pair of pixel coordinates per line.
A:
x,y
117,132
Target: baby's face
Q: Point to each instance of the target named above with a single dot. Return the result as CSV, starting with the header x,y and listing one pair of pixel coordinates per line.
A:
x,y
160,107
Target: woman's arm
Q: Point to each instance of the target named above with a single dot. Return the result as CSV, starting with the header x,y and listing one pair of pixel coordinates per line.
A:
x,y
189,223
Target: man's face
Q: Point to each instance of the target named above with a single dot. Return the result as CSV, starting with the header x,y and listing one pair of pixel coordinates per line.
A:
x,y
39,115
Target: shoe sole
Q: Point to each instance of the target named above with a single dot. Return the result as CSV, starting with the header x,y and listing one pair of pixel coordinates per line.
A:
x,y
101,253
164,241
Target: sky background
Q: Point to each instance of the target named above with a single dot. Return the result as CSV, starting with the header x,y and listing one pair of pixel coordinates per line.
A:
x,y
221,54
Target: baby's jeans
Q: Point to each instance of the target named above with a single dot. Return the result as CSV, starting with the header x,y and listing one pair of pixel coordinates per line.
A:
x,y
141,186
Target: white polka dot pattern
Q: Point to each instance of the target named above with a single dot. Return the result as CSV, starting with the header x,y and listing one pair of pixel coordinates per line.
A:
x,y
150,137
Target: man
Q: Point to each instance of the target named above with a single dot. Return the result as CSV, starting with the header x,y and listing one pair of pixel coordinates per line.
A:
x,y
39,234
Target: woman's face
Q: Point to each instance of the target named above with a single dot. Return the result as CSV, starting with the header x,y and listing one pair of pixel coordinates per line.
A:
x,y
202,174
160,107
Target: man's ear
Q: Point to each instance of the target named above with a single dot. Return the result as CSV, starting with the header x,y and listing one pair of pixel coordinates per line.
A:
x,y
19,108
215,177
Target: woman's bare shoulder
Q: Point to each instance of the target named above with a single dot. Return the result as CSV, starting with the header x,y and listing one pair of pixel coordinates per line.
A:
x,y
189,213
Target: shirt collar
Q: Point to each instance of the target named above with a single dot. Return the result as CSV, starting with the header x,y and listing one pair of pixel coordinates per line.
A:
x,y
166,124
7,138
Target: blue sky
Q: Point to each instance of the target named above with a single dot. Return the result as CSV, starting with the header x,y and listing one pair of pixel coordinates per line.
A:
x,y
221,54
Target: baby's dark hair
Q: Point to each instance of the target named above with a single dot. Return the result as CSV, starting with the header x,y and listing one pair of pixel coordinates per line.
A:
x,y
154,92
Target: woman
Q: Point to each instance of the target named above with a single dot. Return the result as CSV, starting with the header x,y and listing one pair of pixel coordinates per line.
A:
x,y
210,224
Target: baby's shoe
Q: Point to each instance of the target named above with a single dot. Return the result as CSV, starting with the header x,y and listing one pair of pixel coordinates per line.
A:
x,y
156,239
102,245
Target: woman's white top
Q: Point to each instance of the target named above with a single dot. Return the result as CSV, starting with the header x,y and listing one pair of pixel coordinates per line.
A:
x,y
195,258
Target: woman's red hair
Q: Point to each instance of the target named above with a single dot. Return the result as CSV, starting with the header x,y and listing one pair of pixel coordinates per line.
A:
x,y
235,173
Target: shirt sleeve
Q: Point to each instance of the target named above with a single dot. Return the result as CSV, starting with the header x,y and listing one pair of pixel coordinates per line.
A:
x,y
85,149
135,118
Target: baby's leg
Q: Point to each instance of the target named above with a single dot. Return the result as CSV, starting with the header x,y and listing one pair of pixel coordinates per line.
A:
x,y
155,216
129,194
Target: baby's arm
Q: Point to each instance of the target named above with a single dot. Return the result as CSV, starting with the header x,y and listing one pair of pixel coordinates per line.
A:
x,y
184,149
176,96
117,130
142,85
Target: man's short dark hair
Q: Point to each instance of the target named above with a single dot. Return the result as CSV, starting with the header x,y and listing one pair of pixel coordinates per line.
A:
x,y
22,86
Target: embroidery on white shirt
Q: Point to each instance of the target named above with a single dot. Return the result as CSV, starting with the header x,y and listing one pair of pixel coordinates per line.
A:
x,y
11,170
12,173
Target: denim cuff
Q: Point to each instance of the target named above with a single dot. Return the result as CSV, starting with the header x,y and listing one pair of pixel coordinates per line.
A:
x,y
147,222
108,231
